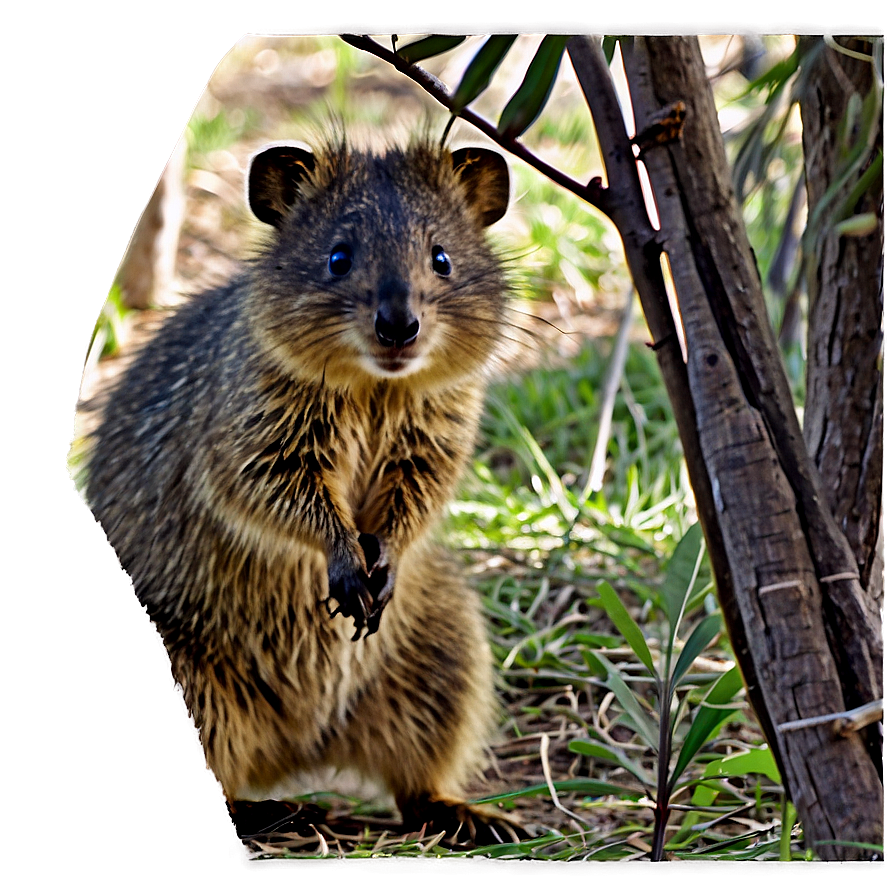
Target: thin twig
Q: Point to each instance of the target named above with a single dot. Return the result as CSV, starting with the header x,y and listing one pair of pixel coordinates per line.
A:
x,y
608,399
845,722
546,767
846,51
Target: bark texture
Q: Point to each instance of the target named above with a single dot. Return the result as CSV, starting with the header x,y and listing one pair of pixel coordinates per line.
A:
x,y
801,624
844,390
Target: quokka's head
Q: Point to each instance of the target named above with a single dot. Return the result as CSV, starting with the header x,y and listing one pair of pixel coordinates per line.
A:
x,y
378,265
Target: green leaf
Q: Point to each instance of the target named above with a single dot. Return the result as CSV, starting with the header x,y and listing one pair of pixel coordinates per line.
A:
x,y
699,639
710,715
681,576
758,761
588,639
857,844
601,751
430,46
626,538
479,72
608,45
858,225
609,601
501,851
777,74
586,786
526,104
641,722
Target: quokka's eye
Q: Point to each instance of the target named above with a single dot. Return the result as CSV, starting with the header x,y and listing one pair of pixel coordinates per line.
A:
x,y
340,261
441,263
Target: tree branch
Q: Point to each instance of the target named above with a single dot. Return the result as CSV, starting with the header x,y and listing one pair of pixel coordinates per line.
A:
x,y
592,192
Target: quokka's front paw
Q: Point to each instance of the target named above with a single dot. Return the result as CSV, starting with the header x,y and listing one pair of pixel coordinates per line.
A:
x,y
361,592
380,576
349,588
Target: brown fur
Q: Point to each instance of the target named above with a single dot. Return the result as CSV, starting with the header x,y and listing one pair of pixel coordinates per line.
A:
x,y
266,427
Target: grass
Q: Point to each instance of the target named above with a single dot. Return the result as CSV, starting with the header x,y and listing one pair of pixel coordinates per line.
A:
x,y
604,622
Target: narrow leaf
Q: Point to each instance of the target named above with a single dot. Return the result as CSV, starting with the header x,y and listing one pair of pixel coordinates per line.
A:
x,y
858,225
778,73
626,538
710,715
609,601
681,576
641,722
587,786
526,104
430,46
601,751
501,851
697,642
538,461
608,45
479,72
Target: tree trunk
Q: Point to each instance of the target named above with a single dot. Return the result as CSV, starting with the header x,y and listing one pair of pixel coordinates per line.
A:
x,y
148,267
772,538
843,422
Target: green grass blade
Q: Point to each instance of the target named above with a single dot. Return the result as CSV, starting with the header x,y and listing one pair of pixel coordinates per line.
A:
x,y
779,73
609,602
585,786
855,844
538,461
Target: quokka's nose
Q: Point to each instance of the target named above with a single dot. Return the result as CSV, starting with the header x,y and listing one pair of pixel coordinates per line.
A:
x,y
395,324
395,330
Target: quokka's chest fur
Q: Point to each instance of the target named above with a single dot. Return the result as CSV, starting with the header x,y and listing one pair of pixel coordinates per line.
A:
x,y
303,449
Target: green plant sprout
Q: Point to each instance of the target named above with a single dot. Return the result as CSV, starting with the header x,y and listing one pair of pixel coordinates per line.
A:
x,y
658,725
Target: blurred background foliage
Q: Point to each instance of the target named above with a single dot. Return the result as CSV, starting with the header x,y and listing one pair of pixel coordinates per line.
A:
x,y
542,544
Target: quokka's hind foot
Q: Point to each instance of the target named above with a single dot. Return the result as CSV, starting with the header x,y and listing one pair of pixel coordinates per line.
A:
x,y
462,822
265,817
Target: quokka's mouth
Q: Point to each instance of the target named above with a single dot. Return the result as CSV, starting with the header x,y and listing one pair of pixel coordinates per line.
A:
x,y
398,361
397,365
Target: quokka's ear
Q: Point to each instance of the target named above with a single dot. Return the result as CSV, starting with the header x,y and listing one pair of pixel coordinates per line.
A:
x,y
485,180
274,175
